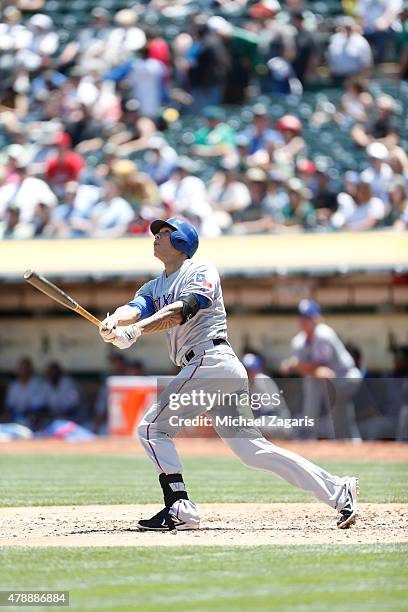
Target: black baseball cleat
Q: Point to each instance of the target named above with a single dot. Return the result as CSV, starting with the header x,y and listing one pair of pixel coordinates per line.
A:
x,y
162,521
350,509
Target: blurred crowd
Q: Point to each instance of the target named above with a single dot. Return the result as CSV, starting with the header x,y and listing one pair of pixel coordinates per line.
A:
x,y
117,123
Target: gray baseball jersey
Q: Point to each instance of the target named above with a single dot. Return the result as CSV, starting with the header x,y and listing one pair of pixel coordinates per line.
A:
x,y
324,347
197,277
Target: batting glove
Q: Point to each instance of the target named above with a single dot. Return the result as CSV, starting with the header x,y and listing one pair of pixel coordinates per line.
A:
x,y
121,337
111,321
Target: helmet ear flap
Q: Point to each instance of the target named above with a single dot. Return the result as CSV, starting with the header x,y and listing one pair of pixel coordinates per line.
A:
x,y
184,236
179,242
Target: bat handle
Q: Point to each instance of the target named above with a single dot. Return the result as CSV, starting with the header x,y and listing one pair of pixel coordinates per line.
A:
x,y
87,315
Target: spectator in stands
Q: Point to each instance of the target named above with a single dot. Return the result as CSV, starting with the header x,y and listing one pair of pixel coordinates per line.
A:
x,y
40,45
276,37
397,214
349,53
41,221
110,156
134,132
402,43
12,227
111,216
45,83
259,215
398,161
291,129
379,173
25,400
126,38
136,187
277,192
259,134
161,160
86,132
298,213
61,394
306,171
379,19
227,194
65,165
355,103
306,59
324,197
243,49
158,48
381,126
26,194
99,29
210,62
71,217
12,30
11,172
217,138
366,211
149,79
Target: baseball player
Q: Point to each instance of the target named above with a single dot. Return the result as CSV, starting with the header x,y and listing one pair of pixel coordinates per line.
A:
x,y
319,356
186,302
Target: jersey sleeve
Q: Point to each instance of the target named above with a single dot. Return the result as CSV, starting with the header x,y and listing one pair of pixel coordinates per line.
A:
x,y
202,282
144,301
145,304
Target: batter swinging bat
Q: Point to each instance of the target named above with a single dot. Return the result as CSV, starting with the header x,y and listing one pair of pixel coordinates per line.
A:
x,y
55,293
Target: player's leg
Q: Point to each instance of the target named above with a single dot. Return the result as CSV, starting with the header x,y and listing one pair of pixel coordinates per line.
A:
x,y
156,431
257,452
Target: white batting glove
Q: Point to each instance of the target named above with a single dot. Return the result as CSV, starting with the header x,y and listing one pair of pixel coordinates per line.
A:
x,y
121,337
110,321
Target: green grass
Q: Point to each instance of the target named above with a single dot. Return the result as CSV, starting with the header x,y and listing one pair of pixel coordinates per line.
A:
x,y
27,480
295,578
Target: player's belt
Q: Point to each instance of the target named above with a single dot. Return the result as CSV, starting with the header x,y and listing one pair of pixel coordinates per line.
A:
x,y
188,356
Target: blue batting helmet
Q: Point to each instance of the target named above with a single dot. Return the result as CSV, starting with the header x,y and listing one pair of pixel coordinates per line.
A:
x,y
184,238
309,308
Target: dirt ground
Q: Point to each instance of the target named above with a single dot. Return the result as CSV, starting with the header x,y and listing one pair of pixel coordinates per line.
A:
x,y
214,447
222,525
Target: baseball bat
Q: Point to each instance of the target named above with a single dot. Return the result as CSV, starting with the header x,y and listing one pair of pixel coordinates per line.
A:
x,y
56,294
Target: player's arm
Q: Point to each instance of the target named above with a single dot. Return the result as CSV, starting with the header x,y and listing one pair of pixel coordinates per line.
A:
x,y
167,317
174,314
310,368
140,307
125,315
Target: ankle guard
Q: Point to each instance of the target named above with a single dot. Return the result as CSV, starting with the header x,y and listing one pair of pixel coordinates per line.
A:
x,y
173,488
